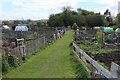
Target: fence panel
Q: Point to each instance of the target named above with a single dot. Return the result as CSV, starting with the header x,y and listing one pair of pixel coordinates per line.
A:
x,y
31,46
97,66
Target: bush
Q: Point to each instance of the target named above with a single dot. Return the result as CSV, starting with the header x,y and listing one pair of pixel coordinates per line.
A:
x,y
12,60
5,65
75,26
24,58
100,37
51,41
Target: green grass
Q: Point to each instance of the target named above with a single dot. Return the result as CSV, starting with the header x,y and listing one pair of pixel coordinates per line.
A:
x,y
102,64
53,62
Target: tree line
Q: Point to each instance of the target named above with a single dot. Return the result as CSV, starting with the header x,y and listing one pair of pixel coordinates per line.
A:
x,y
81,17
29,22
68,16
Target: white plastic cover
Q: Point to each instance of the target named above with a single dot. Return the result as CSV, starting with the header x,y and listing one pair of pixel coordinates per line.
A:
x,y
21,28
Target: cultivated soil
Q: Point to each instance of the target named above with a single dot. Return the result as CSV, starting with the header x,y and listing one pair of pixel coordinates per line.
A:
x,y
107,58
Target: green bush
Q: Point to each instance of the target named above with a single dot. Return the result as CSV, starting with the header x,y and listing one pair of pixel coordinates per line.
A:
x,y
75,26
5,65
51,41
100,37
12,60
24,58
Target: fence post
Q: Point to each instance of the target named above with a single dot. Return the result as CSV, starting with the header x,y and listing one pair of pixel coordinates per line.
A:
x,y
79,55
115,70
93,71
44,40
74,49
118,41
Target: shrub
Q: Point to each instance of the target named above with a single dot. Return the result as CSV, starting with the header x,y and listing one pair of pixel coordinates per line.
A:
x,y
24,58
51,41
100,37
12,60
75,26
5,65
70,44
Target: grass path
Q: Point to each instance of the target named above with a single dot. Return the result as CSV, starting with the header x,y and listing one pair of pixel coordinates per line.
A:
x,y
53,62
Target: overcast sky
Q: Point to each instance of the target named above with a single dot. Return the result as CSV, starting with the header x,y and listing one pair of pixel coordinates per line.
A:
x,y
41,9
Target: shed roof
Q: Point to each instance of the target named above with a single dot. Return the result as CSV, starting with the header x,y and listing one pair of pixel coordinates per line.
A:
x,y
6,27
108,29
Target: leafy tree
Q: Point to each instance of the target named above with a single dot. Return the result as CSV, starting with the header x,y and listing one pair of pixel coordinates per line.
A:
x,y
95,20
106,23
118,20
55,20
108,17
107,13
66,8
16,22
29,20
74,13
39,24
85,12
6,23
66,16
51,21
75,27
113,23
81,20
59,21
73,19
79,9
97,13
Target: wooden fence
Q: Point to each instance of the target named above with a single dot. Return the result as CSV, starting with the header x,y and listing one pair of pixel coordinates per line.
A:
x,y
33,45
24,34
97,69
29,48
